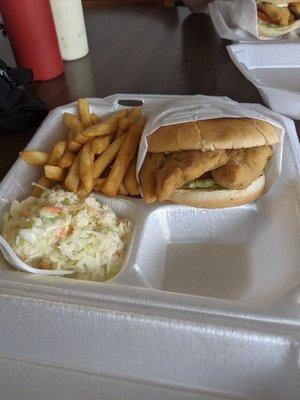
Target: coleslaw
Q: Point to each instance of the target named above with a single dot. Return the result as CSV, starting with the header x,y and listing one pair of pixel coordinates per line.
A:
x,y
61,231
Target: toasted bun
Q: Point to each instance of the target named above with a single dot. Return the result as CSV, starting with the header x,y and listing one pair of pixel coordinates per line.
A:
x,y
219,198
274,30
213,134
275,2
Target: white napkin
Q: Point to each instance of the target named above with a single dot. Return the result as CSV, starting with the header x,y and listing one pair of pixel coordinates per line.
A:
x,y
193,108
237,21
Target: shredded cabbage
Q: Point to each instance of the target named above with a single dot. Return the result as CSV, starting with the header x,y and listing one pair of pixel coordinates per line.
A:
x,y
60,231
273,25
202,184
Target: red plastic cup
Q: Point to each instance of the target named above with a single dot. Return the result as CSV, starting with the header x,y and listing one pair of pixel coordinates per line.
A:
x,y
31,31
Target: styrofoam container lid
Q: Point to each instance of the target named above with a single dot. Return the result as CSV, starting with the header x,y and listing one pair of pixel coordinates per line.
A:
x,y
274,68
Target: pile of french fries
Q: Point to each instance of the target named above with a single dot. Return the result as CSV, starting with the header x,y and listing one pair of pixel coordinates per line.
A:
x,y
97,155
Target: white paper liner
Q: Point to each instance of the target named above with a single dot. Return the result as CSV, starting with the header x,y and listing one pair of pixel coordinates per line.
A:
x,y
237,21
198,107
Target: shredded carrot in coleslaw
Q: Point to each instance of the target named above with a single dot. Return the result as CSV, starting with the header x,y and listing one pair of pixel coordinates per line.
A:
x,y
62,231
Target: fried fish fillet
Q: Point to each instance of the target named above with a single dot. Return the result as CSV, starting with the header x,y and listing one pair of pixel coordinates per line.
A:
x,y
278,15
183,166
244,167
147,176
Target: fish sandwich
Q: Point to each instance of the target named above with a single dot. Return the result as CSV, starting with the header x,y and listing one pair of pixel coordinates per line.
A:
x,y
277,17
208,163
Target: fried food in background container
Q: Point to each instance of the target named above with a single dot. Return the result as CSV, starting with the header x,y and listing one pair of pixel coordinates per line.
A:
x,y
209,152
264,19
276,18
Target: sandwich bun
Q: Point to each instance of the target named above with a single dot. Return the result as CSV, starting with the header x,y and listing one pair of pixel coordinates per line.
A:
x,y
276,2
274,30
219,198
213,134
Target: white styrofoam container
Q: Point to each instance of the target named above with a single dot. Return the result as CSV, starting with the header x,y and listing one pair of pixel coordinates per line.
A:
x,y
207,301
274,68
60,383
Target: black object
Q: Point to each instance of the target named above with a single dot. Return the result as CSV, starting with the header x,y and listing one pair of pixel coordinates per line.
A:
x,y
18,110
130,103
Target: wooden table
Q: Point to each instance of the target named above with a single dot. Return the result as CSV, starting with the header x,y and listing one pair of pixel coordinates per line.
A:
x,y
139,50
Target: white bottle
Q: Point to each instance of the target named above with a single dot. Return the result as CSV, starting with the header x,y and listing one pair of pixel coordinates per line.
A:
x,y
70,28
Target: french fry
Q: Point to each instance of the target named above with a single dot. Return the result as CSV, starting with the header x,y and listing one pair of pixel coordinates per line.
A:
x,y
72,161
69,137
81,139
67,159
72,179
101,143
147,176
124,158
86,166
34,157
82,192
134,115
119,114
74,146
55,173
119,133
105,127
43,181
124,124
92,155
98,184
84,112
130,179
57,152
73,123
107,156
122,189
76,128
102,129
94,119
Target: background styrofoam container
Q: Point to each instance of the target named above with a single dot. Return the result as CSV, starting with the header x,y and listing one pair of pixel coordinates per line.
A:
x,y
274,68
